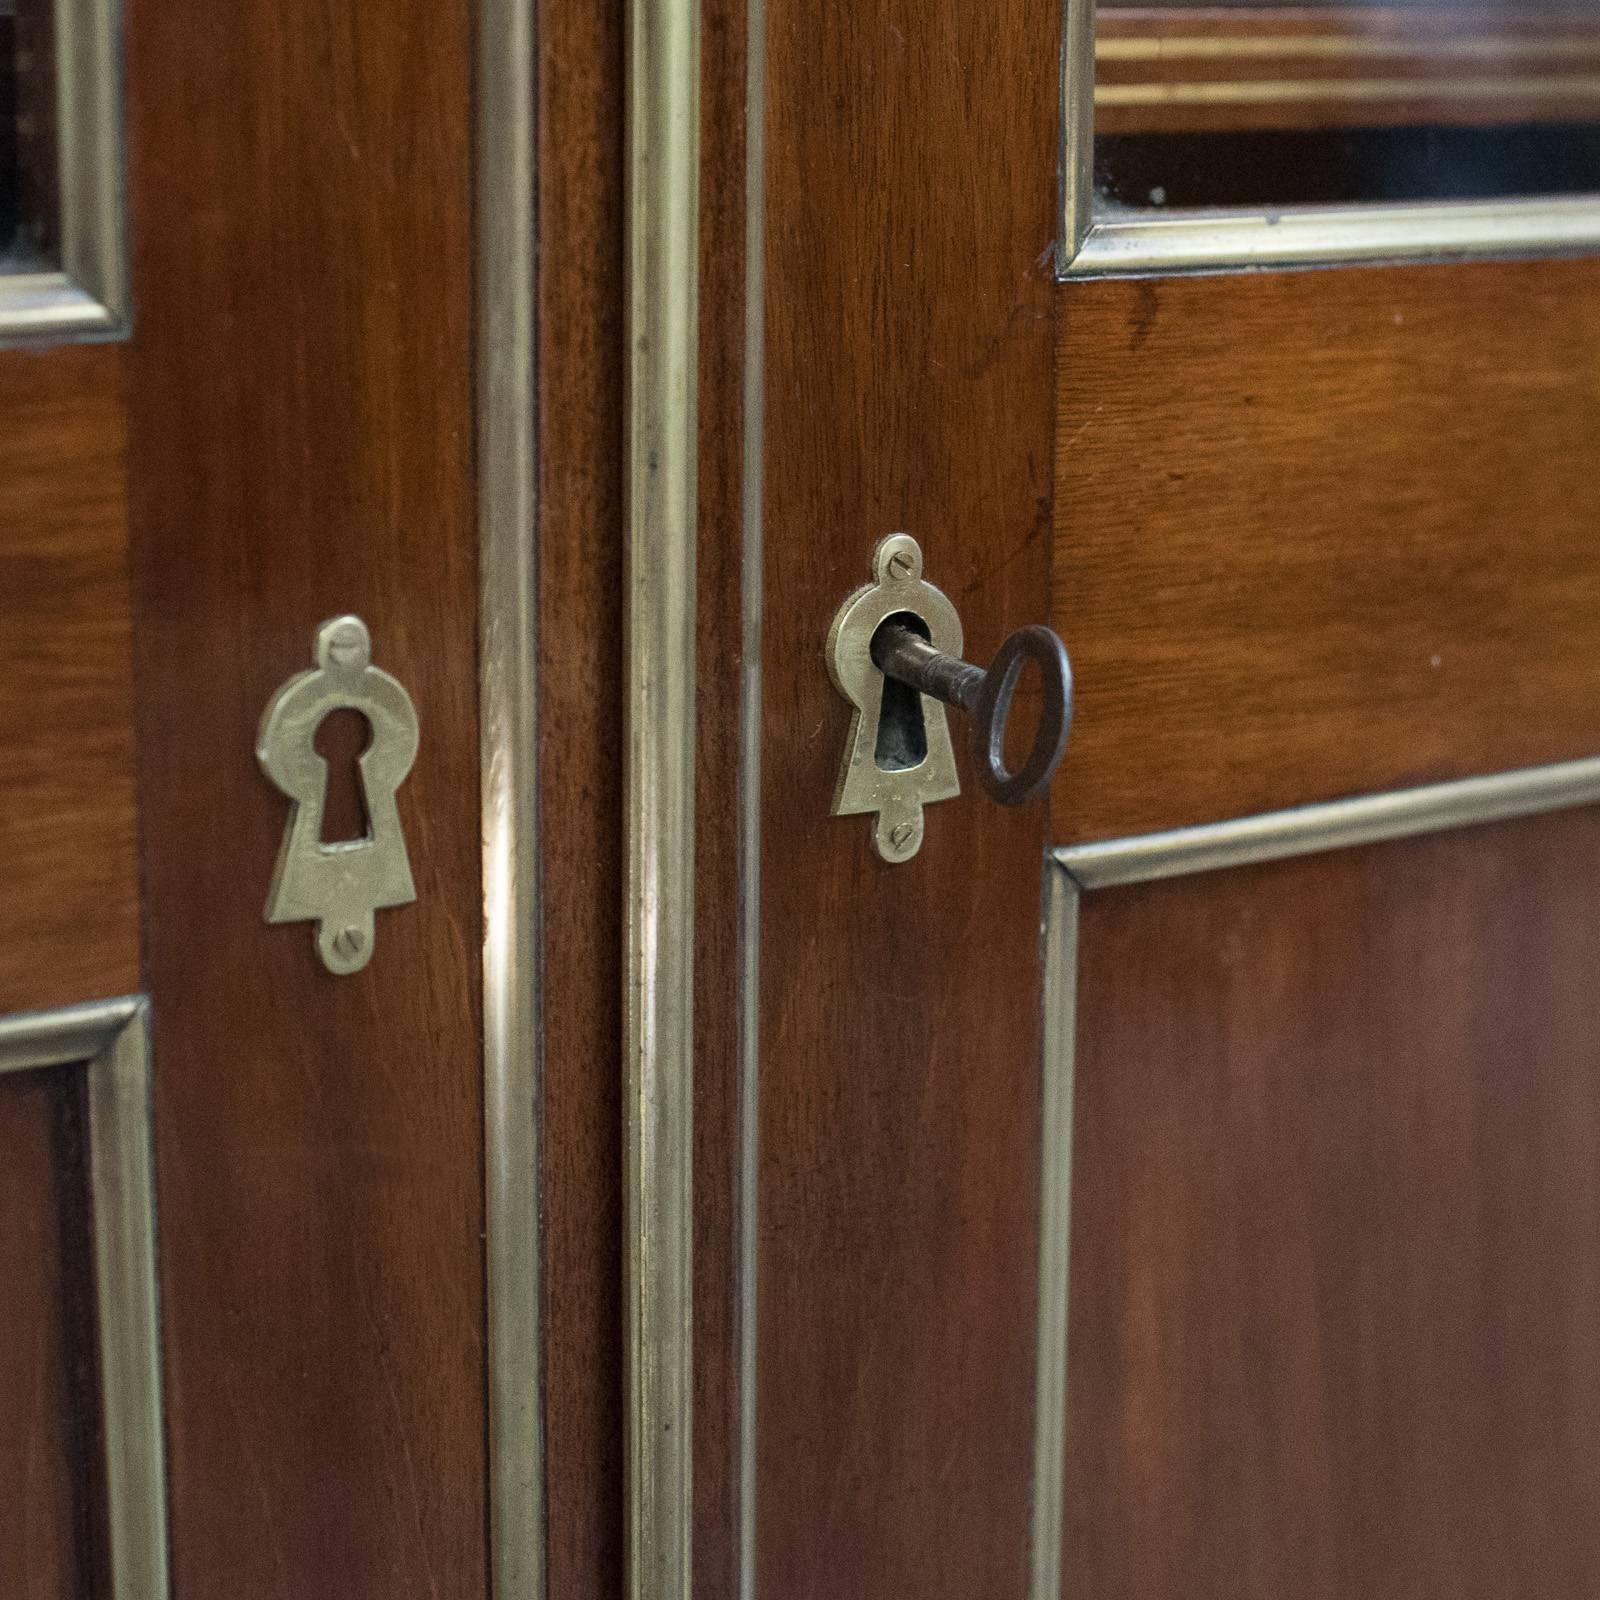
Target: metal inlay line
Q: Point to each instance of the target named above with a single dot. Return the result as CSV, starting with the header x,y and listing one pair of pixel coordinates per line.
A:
x,y
658,789
752,599
509,785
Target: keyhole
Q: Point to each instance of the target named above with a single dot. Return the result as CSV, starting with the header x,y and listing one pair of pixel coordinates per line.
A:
x,y
340,739
902,737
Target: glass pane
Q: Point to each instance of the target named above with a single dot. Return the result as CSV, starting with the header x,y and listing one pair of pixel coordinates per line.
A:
x,y
1261,106
27,163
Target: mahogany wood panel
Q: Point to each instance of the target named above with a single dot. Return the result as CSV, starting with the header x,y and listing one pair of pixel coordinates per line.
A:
x,y
723,808
66,736
910,194
1335,1323
581,296
301,445
1320,533
48,1441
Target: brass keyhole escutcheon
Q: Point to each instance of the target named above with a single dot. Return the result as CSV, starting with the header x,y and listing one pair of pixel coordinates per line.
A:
x,y
894,653
893,793
339,885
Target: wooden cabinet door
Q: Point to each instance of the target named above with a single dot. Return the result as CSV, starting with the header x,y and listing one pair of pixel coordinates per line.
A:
x,y
1168,1190
245,1300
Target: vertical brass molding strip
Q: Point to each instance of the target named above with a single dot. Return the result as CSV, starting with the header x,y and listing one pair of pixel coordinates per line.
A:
x,y
91,156
508,763
1076,155
754,488
122,1183
111,1040
658,788
1060,955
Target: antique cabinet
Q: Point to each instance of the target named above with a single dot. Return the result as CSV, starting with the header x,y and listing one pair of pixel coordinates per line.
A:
x,y
530,1145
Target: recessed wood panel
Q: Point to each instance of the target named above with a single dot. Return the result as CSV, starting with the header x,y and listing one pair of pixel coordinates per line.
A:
x,y
49,1446
1335,1323
66,735
1322,533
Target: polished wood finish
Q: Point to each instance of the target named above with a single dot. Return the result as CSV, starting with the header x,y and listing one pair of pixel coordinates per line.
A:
x,y
301,412
1323,533
581,289
724,807
1336,1226
909,327
722,828
49,1479
66,740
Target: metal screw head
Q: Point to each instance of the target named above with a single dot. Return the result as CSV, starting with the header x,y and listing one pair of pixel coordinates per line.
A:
x,y
344,642
349,942
345,647
900,841
897,559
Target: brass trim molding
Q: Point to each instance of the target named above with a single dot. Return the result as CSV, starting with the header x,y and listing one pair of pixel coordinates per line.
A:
x,y
110,1040
1138,243
509,779
1214,847
1336,825
1075,158
658,789
86,295
1095,242
1060,999
752,600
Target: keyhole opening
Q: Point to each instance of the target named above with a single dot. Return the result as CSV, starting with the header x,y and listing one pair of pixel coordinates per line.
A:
x,y
341,738
902,734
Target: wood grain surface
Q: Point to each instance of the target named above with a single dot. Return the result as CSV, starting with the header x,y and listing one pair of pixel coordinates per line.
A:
x,y
724,809
910,187
1321,533
1336,1226
49,1445
301,445
581,410
66,735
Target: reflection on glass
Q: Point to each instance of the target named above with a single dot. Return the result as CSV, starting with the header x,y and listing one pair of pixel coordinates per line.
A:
x,y
1253,106
26,134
